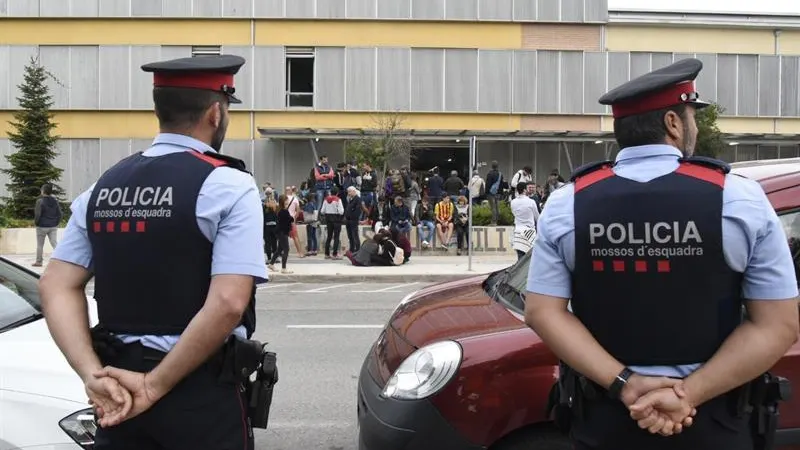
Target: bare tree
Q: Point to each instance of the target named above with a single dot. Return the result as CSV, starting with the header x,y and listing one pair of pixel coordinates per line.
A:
x,y
385,143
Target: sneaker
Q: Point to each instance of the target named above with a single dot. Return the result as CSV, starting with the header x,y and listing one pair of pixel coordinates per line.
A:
x,y
328,257
272,268
286,271
36,264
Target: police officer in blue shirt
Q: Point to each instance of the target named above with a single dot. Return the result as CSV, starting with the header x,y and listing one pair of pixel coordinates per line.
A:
x,y
168,235
656,253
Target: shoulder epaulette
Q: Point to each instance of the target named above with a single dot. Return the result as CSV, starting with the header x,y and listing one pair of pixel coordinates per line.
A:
x,y
229,161
589,168
707,162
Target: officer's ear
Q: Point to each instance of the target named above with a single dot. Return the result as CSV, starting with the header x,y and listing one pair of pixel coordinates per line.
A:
x,y
673,123
215,116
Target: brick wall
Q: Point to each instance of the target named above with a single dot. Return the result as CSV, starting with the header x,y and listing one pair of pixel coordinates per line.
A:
x,y
562,37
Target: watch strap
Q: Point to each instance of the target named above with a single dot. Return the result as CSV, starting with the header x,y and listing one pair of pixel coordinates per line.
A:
x,y
615,390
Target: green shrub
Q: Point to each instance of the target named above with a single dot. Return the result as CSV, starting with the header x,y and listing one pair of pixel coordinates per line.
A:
x,y
482,215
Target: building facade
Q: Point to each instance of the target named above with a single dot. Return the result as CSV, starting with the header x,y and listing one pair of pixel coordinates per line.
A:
x,y
523,75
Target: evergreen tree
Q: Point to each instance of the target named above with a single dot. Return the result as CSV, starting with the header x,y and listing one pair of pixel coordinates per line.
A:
x,y
710,141
32,162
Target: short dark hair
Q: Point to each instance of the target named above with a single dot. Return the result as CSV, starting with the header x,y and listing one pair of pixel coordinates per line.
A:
x,y
644,129
321,157
495,165
183,107
521,187
47,189
334,190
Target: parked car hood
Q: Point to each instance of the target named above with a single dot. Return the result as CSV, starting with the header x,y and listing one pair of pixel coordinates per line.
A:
x,y
453,310
30,362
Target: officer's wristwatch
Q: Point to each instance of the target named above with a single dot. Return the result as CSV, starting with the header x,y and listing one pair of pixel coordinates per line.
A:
x,y
615,390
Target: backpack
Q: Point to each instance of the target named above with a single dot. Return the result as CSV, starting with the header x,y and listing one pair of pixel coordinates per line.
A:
x,y
398,185
496,185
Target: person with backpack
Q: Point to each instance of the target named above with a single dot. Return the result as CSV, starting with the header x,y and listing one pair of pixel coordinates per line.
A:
x,y
494,180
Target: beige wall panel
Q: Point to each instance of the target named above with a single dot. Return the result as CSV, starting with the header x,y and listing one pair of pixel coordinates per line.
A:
x,y
560,122
689,40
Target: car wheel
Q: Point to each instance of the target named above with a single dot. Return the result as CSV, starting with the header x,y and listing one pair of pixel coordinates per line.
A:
x,y
538,437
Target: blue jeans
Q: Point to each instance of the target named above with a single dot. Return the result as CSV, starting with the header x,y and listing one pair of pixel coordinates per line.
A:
x,y
404,228
321,194
425,229
368,198
311,239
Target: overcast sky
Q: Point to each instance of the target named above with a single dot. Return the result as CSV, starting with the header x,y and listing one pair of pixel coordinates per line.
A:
x,y
789,7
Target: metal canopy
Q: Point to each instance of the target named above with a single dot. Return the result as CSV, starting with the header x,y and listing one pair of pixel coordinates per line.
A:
x,y
500,136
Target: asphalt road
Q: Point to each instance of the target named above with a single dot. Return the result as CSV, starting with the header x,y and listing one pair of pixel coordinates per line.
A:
x,y
321,333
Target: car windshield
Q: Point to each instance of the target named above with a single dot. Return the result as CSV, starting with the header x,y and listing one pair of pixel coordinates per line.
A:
x,y
19,296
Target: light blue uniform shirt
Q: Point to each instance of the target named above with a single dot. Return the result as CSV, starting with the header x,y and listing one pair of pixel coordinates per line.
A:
x,y
753,238
229,215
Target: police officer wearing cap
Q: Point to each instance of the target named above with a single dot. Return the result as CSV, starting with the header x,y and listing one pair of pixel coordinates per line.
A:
x,y
168,235
656,252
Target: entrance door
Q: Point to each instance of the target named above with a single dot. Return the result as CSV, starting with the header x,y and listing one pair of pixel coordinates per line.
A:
x,y
424,159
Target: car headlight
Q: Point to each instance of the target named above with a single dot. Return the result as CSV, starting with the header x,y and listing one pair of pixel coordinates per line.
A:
x,y
81,427
424,372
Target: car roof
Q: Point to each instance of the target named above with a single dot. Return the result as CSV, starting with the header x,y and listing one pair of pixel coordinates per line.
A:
x,y
773,174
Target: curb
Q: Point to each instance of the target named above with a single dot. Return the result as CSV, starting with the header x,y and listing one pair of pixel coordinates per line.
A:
x,y
277,278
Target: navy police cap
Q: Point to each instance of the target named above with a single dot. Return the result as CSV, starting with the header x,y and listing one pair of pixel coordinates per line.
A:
x,y
669,86
214,73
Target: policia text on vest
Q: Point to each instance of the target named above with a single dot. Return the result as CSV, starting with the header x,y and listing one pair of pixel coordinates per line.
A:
x,y
647,240
134,203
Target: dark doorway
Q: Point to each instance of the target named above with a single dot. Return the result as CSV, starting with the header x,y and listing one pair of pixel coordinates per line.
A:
x,y
424,159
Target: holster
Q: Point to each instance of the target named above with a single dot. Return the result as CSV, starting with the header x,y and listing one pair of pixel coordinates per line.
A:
x,y
763,396
105,345
565,402
242,359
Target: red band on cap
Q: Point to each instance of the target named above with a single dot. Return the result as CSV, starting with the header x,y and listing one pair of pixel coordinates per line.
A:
x,y
198,80
674,95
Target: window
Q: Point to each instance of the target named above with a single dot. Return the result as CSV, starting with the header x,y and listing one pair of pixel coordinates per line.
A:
x,y
791,224
206,50
19,297
300,77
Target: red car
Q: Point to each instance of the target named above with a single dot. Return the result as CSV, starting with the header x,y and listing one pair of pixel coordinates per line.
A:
x,y
457,368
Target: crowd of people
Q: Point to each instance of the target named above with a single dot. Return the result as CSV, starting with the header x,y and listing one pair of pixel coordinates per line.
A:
x,y
352,195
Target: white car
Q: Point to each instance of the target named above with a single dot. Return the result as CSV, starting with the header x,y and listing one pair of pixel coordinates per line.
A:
x,y
42,402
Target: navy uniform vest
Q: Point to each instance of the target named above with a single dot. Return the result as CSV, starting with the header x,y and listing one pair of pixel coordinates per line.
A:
x,y
650,281
152,264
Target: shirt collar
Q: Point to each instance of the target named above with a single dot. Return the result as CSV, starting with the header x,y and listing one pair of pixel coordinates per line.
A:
x,y
647,151
181,140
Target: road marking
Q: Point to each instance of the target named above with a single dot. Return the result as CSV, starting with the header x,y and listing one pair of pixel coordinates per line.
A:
x,y
389,289
271,285
333,327
322,289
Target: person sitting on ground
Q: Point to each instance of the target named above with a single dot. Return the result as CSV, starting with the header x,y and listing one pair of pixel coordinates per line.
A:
x,y
403,242
387,249
443,212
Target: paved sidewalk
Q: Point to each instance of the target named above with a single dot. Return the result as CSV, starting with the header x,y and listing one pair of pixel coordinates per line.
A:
x,y
316,269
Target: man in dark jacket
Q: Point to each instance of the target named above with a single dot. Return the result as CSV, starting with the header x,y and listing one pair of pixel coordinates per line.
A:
x,y
453,186
494,181
352,216
47,216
